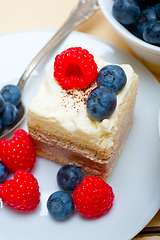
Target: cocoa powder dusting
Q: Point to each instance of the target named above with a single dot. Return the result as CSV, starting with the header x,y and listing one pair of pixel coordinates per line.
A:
x,y
78,96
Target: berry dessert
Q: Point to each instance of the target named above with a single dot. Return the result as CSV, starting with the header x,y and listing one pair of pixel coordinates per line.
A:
x,y
75,119
21,193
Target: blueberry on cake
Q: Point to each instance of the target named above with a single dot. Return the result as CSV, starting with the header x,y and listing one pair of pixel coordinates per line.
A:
x,y
83,111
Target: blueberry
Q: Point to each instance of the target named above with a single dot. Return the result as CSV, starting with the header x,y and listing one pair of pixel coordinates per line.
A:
x,y
101,103
68,177
11,94
113,77
10,114
3,172
157,9
147,17
2,103
60,205
126,11
0,125
151,33
134,30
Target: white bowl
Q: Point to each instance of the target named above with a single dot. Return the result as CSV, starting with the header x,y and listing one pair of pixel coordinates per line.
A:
x,y
147,53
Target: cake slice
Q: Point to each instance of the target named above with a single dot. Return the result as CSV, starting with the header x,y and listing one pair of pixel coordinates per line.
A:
x,y
62,131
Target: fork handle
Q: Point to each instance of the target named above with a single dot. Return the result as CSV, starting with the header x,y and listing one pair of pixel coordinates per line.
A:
x,y
83,11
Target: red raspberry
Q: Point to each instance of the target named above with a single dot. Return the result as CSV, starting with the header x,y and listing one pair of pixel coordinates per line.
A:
x,y
21,193
93,197
75,68
18,152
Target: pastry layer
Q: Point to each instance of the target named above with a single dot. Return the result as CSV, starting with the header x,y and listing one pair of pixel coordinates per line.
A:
x,y
90,162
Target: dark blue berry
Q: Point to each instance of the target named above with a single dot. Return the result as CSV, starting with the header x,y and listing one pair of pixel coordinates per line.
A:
x,y
1,125
134,30
149,14
2,103
69,177
11,94
60,205
126,11
147,17
3,172
151,33
9,114
113,77
157,9
101,103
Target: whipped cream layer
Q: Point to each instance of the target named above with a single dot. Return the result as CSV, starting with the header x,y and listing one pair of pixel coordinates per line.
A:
x,y
67,109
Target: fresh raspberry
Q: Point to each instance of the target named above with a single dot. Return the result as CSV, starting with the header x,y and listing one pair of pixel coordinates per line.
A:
x,y
75,68
93,197
18,152
21,193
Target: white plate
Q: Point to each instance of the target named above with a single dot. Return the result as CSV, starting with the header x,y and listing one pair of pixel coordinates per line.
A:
x,y
135,177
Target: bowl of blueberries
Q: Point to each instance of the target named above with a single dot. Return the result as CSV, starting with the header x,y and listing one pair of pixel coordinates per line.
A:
x,y
138,23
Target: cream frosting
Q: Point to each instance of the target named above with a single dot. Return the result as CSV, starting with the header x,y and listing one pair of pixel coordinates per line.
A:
x,y
68,110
